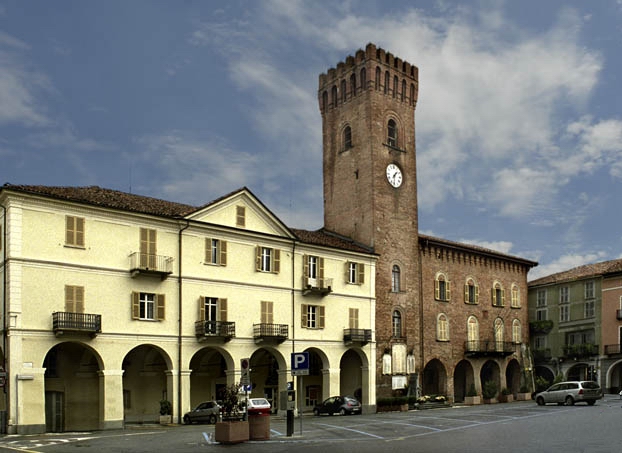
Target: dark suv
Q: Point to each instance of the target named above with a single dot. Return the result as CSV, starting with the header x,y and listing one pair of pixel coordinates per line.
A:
x,y
570,392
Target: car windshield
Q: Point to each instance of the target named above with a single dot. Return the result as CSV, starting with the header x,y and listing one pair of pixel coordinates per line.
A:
x,y
259,402
590,385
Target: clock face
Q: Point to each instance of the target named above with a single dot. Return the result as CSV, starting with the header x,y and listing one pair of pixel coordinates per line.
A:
x,y
394,175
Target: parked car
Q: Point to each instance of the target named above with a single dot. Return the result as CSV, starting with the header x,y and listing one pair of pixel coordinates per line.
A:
x,y
258,406
206,412
570,392
343,405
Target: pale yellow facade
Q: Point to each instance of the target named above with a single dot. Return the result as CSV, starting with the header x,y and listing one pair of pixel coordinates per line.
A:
x,y
140,334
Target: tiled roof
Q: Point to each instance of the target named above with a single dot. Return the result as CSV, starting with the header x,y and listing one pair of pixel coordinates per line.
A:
x,y
580,272
330,239
108,198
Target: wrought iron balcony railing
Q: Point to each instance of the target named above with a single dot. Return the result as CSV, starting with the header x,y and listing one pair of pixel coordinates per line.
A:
x,y
65,322
214,329
360,336
145,263
492,348
580,350
613,349
317,286
267,332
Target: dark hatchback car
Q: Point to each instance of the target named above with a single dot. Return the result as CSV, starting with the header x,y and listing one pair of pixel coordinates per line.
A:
x,y
342,405
207,412
570,392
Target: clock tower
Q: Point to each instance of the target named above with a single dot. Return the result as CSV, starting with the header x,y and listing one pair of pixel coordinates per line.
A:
x,y
370,193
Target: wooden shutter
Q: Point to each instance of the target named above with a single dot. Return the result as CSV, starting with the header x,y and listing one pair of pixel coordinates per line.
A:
x,y
303,313
476,294
320,272
74,230
223,253
320,317
347,272
79,231
222,309
305,266
492,296
208,250
135,305
202,308
160,307
267,313
240,216
277,261
74,299
354,318
360,279
437,290
258,258
466,294
447,290
503,297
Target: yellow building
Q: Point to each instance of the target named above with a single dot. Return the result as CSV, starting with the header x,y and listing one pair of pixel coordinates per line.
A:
x,y
112,302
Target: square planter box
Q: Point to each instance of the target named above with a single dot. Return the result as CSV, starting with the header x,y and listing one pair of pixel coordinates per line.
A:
x,y
506,398
523,396
231,432
166,419
472,400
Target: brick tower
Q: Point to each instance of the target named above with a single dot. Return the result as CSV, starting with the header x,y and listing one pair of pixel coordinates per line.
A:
x,y
370,193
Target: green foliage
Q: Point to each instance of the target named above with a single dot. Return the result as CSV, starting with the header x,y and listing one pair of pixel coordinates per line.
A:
x,y
231,403
166,408
524,388
471,391
542,327
505,391
489,390
541,384
558,378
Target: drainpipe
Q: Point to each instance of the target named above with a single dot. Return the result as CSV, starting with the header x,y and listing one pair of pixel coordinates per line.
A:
x,y
179,337
421,330
4,311
293,296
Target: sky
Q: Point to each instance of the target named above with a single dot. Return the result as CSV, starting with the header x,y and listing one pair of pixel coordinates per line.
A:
x,y
518,121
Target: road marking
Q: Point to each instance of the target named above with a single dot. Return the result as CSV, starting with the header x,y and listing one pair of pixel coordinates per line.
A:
x,y
350,429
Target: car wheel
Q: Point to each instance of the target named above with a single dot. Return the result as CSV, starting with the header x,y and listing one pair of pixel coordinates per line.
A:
x,y
187,420
591,402
342,411
540,401
316,412
212,419
568,401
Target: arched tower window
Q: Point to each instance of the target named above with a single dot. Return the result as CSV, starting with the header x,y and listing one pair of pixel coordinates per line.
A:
x,y
387,81
347,138
395,279
473,333
395,86
442,327
517,334
324,100
498,295
343,91
515,296
333,96
471,292
442,290
403,92
363,79
412,94
378,75
499,333
392,133
353,84
397,324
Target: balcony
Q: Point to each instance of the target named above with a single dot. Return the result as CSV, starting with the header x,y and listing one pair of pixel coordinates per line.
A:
x,y
146,264
542,355
619,315
356,336
580,350
612,349
77,323
221,330
489,348
270,332
317,286
540,327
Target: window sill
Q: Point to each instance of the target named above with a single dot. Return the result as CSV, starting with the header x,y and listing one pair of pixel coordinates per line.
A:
x,y
394,148
71,246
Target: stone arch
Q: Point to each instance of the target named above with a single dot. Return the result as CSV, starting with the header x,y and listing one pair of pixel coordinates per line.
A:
x,y
613,377
434,378
491,372
512,376
464,378
354,375
268,374
545,373
208,374
578,372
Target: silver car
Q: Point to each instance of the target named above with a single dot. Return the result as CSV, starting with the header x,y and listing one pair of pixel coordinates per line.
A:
x,y
207,412
570,392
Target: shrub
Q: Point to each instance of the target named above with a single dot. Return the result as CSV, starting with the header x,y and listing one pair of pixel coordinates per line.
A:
x,y
541,384
489,390
166,408
472,391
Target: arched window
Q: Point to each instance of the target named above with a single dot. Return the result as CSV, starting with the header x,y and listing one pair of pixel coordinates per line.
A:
x,y
517,333
333,96
412,93
394,86
378,75
498,295
353,84
363,79
442,327
472,334
392,133
395,279
515,296
324,100
441,288
343,91
397,324
387,81
403,92
347,138
471,292
499,333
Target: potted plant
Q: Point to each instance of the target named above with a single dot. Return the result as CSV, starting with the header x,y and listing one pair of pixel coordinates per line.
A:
x,y
472,397
506,396
523,394
166,412
232,429
489,392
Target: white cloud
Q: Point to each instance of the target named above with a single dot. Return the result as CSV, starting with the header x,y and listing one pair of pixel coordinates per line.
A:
x,y
564,263
498,246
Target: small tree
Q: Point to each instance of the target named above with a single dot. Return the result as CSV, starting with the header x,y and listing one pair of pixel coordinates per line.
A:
x,y
472,391
231,403
489,391
166,408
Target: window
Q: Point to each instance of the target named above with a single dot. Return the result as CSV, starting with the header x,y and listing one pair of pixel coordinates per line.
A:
x,y
541,298
212,310
355,273
74,231
313,269
397,324
324,100
267,312
473,333
441,288
395,82
312,316
403,92
515,302
74,299
378,75
564,295
392,133
240,216
564,313
499,334
471,292
541,314
343,91
148,306
498,295
517,334
354,318
540,342
442,328
589,309
363,80
387,80
268,260
412,94
353,84
148,258
216,251
333,96
589,290
395,279
347,138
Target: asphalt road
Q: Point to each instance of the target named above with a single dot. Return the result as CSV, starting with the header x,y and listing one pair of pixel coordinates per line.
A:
x,y
510,428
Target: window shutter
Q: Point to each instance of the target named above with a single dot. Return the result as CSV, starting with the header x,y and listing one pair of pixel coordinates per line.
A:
x,y
222,309
79,299
447,290
240,216
69,300
476,294
466,294
320,310
437,290
208,250
492,295
321,269
305,266
277,261
79,231
223,253
135,305
360,267
68,230
202,308
258,258
503,297
303,313
347,272
160,307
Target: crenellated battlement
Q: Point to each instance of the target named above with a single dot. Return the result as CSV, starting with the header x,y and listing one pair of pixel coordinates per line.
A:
x,y
369,69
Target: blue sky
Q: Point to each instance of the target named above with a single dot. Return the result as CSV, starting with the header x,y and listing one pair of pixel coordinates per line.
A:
x,y
519,123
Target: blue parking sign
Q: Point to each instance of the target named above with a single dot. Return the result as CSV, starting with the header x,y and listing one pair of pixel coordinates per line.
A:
x,y
300,363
